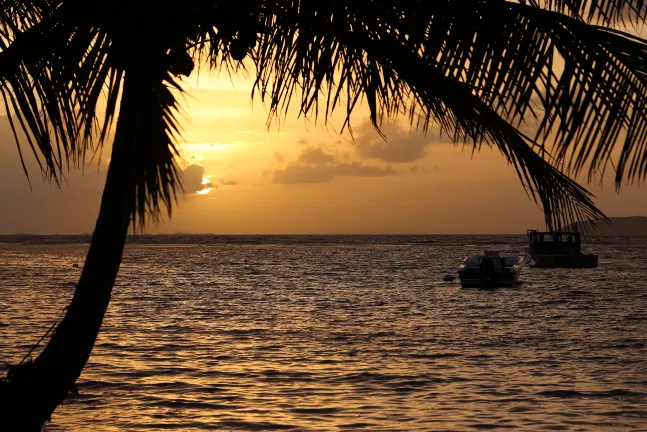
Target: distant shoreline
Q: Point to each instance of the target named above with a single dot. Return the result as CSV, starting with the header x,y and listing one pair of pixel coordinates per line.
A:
x,y
635,226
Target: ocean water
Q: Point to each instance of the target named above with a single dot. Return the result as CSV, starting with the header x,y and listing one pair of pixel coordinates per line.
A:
x,y
340,333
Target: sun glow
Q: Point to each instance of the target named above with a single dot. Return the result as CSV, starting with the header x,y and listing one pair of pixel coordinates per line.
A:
x,y
208,186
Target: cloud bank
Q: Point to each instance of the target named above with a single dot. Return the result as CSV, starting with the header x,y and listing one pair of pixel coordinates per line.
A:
x,y
315,165
400,146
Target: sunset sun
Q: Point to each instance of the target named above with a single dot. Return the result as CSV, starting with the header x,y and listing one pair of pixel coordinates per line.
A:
x,y
208,186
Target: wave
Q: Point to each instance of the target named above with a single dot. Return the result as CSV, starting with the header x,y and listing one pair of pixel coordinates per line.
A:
x,y
614,394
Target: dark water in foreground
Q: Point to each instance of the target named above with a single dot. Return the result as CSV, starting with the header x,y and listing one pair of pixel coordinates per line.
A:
x,y
334,333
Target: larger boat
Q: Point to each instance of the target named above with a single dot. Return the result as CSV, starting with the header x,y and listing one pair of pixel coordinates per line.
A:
x,y
558,250
490,270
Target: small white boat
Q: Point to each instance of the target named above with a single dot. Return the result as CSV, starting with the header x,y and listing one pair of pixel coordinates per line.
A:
x,y
490,270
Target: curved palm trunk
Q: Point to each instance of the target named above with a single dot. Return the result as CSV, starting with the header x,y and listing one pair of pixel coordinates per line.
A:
x,y
32,391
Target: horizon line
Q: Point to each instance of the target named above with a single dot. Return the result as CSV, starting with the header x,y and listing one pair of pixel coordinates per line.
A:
x,y
273,234
259,234
290,234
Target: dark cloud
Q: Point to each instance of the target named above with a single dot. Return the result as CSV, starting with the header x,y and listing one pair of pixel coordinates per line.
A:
x,y
316,156
295,173
315,165
400,145
228,182
193,177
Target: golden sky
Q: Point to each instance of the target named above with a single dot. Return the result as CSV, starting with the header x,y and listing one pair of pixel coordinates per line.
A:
x,y
301,177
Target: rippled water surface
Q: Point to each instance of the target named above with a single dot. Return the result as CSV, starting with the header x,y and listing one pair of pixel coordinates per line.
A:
x,y
342,333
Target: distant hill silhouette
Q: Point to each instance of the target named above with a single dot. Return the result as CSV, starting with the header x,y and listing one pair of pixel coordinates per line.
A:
x,y
621,226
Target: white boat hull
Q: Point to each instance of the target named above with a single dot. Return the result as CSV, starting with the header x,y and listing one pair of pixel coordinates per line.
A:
x,y
490,271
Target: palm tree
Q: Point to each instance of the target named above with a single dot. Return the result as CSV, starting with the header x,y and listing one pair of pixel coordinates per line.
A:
x,y
480,69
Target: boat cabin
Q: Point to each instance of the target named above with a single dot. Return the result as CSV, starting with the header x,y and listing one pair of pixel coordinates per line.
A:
x,y
549,243
490,261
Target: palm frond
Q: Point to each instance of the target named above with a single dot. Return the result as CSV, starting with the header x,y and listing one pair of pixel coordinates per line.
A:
x,y
54,93
600,96
158,175
33,63
609,12
18,15
479,69
586,83
590,82
148,116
